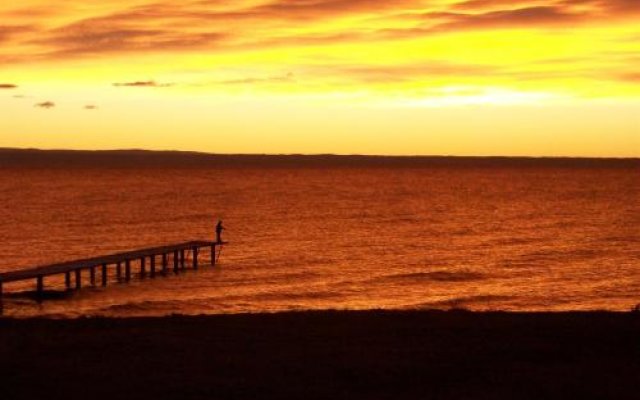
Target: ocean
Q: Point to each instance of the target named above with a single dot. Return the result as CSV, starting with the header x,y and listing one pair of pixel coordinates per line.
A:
x,y
479,237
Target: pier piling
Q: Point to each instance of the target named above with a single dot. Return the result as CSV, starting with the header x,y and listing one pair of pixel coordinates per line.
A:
x,y
78,278
143,268
92,276
67,280
40,285
127,270
152,265
104,274
164,263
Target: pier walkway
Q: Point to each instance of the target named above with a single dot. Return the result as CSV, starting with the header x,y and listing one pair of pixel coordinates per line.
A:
x,y
173,254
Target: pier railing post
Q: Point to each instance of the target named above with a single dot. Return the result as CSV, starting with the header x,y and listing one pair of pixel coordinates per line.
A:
x,y
127,270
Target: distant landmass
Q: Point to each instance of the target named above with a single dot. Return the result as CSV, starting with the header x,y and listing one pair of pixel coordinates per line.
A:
x,y
35,158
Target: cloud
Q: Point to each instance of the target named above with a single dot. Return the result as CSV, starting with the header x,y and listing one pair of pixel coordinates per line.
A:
x,y
492,4
632,6
442,22
223,26
522,17
109,34
159,27
272,79
606,7
595,8
143,84
90,107
632,77
34,12
311,9
45,104
8,31
407,72
8,86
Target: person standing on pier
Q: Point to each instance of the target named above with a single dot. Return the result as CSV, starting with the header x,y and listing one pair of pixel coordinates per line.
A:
x,y
219,229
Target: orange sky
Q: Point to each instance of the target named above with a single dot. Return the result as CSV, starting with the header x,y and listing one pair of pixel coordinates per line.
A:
x,y
474,77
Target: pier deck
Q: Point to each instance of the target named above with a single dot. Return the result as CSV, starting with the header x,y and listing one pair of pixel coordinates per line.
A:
x,y
173,253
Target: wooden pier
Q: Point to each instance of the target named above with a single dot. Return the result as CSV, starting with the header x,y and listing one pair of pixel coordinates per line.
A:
x,y
160,261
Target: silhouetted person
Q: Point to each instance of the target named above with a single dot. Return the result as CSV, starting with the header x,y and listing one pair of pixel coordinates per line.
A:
x,y
219,229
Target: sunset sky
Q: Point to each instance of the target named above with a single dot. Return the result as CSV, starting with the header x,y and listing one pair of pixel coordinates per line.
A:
x,y
474,77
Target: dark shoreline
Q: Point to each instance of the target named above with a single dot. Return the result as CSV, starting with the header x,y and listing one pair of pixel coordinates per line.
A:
x,y
85,159
328,354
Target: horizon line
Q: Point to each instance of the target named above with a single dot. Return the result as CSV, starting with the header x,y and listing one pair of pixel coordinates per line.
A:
x,y
403,156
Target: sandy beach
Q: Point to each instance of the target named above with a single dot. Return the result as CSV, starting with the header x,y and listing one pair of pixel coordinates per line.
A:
x,y
322,355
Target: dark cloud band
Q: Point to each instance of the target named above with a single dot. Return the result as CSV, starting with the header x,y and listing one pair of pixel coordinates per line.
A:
x,y
142,84
45,104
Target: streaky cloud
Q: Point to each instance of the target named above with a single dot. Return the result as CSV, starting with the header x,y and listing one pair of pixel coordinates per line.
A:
x,y
143,84
493,4
406,72
521,17
633,77
7,32
45,104
227,26
289,77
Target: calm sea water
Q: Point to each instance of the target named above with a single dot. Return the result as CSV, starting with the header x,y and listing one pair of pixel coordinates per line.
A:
x,y
339,238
